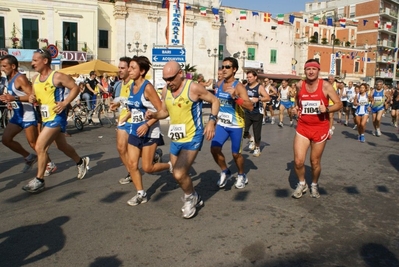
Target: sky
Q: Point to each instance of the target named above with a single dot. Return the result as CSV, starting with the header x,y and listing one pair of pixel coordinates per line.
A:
x,y
271,6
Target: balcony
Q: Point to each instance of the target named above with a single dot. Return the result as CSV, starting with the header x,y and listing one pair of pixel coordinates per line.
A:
x,y
389,13
385,29
81,46
384,74
384,59
386,43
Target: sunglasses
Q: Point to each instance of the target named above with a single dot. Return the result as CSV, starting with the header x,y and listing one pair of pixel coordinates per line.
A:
x,y
227,67
169,79
41,51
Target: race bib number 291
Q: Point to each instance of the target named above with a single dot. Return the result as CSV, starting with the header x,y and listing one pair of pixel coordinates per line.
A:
x,y
177,131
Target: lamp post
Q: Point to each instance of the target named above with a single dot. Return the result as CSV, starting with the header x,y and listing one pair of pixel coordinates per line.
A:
x,y
137,49
214,55
243,57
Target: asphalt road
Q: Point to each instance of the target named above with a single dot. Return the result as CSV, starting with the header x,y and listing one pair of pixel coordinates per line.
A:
x,y
88,223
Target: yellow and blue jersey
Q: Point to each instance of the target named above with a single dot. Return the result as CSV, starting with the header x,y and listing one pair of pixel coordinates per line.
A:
x,y
124,95
185,116
230,114
47,96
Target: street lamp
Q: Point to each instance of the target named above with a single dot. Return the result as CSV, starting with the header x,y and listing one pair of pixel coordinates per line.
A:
x,y
242,56
137,49
214,55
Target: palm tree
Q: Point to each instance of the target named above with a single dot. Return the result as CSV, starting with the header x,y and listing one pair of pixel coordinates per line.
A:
x,y
189,71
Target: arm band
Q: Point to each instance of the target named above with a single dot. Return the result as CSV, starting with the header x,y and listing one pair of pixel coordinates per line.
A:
x,y
239,101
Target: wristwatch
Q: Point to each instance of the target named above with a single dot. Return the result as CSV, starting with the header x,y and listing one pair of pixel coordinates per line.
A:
x,y
16,98
327,110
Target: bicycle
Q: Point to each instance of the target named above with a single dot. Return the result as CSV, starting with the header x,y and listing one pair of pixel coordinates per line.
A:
x,y
76,120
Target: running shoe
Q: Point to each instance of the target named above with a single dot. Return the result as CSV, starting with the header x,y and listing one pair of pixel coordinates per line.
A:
x,y
346,123
158,156
354,127
137,199
256,152
82,168
125,180
300,190
362,138
224,177
34,185
273,121
378,132
331,131
280,124
291,123
50,168
263,122
29,162
241,181
314,191
374,133
251,143
191,204
170,167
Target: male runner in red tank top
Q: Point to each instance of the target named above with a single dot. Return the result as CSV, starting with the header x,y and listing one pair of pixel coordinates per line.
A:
x,y
313,127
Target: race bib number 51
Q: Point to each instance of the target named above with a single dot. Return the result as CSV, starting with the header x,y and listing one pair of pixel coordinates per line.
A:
x,y
177,131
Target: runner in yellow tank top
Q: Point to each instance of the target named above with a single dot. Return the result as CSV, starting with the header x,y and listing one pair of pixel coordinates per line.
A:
x,y
48,86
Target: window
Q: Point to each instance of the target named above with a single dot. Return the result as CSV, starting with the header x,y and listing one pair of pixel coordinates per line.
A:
x,y
356,67
103,39
340,12
251,53
352,11
221,48
338,66
70,39
2,34
30,33
273,56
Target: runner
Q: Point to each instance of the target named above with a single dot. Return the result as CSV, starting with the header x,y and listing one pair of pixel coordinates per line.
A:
x,y
24,117
144,136
231,121
377,99
313,125
182,101
362,111
48,87
284,93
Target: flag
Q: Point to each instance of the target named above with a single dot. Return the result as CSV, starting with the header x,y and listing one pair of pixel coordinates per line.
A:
x,y
377,23
342,22
188,7
365,22
388,25
215,12
228,11
165,3
243,15
355,21
267,17
280,19
255,13
316,21
330,22
396,49
292,19
203,11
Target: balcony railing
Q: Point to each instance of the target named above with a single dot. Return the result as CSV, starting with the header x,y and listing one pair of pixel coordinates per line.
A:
x,y
387,43
81,46
384,74
389,12
384,59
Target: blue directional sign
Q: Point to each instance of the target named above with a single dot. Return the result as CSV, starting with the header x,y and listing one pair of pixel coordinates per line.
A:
x,y
164,55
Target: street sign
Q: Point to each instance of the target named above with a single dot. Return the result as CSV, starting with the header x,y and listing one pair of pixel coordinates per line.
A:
x,y
53,50
161,56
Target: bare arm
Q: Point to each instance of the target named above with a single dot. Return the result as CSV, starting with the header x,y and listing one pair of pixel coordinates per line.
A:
x,y
331,94
66,81
241,92
22,84
161,113
264,96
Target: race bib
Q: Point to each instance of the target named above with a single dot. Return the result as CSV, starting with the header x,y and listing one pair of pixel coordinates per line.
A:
x,y
225,118
44,111
310,107
137,116
177,131
378,98
14,105
363,103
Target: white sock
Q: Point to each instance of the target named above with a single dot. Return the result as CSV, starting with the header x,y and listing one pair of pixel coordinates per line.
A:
x,y
302,182
314,184
141,193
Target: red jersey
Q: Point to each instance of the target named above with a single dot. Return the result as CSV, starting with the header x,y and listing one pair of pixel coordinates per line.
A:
x,y
309,106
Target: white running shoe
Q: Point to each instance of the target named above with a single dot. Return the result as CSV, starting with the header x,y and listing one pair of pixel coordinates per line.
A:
x,y
224,177
126,180
34,185
280,124
191,204
50,168
242,180
256,152
82,168
137,199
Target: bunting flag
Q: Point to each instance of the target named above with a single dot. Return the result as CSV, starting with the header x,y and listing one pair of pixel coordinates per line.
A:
x,y
255,13
316,21
203,11
280,19
342,22
267,17
330,22
365,22
243,15
165,3
228,11
396,49
377,23
355,21
215,12
292,19
388,25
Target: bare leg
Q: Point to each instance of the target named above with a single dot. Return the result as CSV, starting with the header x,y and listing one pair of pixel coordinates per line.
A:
x,y
181,166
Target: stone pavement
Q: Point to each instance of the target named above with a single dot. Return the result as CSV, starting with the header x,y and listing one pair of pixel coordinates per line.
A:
x,y
88,223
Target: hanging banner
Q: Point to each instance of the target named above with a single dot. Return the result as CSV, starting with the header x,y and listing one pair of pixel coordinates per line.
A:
x,y
175,28
332,64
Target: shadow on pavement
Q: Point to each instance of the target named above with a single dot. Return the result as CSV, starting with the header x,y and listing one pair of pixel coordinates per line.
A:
x,y
106,261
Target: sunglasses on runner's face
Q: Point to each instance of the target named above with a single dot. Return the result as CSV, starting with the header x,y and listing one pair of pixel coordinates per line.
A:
x,y
227,67
41,51
171,78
